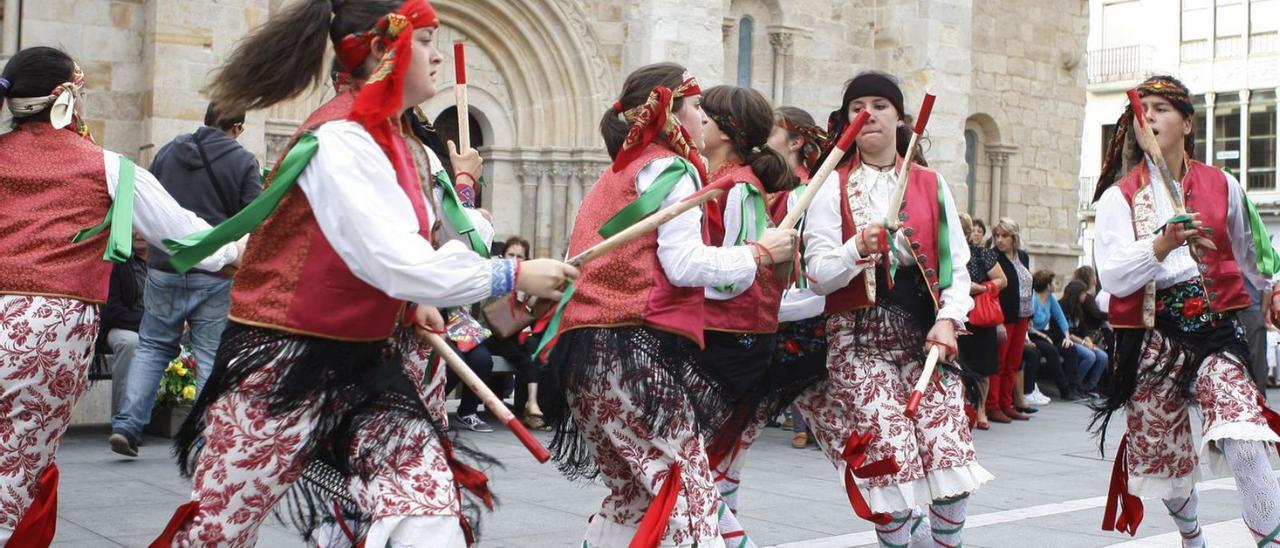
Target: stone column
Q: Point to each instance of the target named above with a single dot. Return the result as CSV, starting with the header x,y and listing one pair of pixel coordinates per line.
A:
x,y
559,207
1277,156
542,243
9,33
1243,174
781,40
998,157
1209,99
528,200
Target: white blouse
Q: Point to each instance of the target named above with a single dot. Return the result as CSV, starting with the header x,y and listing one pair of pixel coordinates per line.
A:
x,y
158,217
799,303
685,260
366,218
833,262
1126,263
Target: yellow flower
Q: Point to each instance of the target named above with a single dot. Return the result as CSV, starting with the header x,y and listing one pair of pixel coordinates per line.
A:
x,y
189,393
180,370
170,367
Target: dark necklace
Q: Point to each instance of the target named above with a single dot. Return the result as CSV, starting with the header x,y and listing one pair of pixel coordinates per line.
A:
x,y
886,167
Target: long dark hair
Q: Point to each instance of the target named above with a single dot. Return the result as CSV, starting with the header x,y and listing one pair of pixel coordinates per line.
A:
x,y
285,57
635,91
34,72
747,121
1070,301
839,119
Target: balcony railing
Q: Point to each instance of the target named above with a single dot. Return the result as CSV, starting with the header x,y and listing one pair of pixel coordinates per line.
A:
x,y
1119,64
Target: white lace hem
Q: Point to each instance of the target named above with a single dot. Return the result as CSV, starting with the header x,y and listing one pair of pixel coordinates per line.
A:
x,y
1212,455
947,482
602,533
1163,488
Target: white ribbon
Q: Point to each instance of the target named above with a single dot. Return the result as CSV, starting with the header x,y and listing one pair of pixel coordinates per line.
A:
x,y
62,111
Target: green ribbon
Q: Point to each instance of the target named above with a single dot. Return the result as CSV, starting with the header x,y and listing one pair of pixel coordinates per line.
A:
x,y
193,248
650,200
553,327
754,200
1268,259
119,217
944,240
458,219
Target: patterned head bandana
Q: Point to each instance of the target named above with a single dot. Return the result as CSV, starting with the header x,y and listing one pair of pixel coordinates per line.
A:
x,y
1164,86
382,93
64,103
653,118
815,141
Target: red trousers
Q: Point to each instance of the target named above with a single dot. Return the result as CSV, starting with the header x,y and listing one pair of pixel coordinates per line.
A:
x,y
1002,383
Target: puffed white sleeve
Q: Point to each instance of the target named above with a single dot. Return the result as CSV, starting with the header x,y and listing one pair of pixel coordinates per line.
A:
x,y
369,222
831,261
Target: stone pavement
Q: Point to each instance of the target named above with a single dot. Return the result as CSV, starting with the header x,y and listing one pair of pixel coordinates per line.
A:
x,y
1049,492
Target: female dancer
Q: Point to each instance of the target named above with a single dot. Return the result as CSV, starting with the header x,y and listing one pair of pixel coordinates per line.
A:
x,y
640,404
55,182
312,367
879,330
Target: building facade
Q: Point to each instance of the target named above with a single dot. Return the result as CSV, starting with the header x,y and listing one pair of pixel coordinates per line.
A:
x,y
1010,78
1226,51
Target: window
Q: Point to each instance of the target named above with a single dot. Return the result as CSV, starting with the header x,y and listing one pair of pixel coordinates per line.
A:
x,y
1198,125
745,34
971,158
1262,141
1226,135
1117,23
1264,26
1229,22
1197,29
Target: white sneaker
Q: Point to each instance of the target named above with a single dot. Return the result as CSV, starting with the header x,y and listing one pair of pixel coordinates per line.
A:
x,y
1037,398
474,423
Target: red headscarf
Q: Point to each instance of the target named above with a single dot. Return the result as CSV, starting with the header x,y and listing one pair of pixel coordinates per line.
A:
x,y
653,118
379,98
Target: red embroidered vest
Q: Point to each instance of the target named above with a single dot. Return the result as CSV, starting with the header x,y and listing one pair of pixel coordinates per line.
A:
x,y
52,184
756,309
1205,192
292,280
627,286
919,220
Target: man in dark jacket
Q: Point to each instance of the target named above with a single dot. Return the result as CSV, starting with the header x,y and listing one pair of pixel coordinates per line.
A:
x,y
211,175
121,318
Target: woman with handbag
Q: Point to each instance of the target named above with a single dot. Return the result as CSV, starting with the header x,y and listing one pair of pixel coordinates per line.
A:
x,y
1006,401
979,351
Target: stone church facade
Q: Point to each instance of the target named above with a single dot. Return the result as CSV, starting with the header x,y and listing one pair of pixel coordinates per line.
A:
x,y
1005,133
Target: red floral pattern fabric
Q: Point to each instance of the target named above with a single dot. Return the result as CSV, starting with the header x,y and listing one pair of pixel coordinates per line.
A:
x,y
46,346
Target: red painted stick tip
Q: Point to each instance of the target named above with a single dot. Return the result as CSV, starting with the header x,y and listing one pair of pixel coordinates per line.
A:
x,y
925,110
459,63
724,183
913,404
531,443
846,138
1135,101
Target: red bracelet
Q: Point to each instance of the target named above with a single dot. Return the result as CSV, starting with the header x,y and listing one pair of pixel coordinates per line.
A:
x,y
763,251
950,349
460,174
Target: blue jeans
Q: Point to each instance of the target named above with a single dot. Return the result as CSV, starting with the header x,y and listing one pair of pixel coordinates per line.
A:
x,y
1093,362
170,300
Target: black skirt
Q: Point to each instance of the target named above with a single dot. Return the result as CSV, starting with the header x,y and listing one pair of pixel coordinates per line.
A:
x,y
979,352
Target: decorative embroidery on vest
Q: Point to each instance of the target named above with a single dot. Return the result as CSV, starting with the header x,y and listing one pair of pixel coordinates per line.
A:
x,y
860,208
1145,223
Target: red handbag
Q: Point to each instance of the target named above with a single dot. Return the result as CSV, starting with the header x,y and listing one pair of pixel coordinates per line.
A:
x,y
986,307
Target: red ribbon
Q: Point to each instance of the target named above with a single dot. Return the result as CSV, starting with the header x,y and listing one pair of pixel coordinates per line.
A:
x,y
653,526
1118,497
467,477
854,455
181,516
40,521
654,118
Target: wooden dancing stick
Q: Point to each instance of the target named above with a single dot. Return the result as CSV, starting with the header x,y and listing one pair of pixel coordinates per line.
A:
x,y
930,363
652,222
460,97
896,205
1147,142
824,171
490,400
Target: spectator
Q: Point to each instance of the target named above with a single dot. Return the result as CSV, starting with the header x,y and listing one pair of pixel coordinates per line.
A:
x,y
519,350
118,336
209,173
1091,368
1006,400
1049,333
480,361
1094,313
979,351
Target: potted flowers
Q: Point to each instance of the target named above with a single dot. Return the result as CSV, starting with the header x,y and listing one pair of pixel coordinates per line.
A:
x,y
176,395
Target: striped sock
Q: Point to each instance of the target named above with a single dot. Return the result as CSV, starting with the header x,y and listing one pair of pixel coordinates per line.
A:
x,y
896,533
731,530
921,531
947,518
1184,512
1259,493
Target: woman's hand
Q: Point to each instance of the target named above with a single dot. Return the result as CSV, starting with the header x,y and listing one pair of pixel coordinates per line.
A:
x,y
1174,236
779,243
467,161
545,278
868,239
942,336
1067,343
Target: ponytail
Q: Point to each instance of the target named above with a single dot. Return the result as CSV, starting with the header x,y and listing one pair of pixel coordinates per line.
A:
x,y
747,118
285,57
771,167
